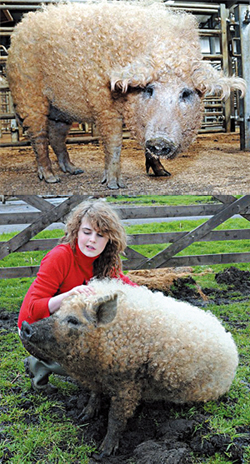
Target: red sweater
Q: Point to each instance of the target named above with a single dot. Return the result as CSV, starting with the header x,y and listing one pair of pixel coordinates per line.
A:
x,y
60,271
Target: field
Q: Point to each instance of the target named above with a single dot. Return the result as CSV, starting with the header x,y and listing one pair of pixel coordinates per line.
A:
x,y
35,428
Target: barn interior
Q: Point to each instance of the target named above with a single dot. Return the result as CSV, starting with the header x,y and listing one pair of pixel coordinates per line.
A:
x,y
224,35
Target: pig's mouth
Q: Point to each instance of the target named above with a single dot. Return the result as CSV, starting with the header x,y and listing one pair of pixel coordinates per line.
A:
x,y
162,147
30,342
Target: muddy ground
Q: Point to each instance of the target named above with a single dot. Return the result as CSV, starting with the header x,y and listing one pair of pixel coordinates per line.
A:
x,y
214,164
154,435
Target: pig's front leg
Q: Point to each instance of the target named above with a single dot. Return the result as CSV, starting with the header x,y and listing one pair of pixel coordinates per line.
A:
x,y
112,142
121,409
92,407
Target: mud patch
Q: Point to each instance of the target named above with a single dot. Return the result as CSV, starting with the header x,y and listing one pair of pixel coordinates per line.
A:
x,y
8,321
151,437
235,279
236,285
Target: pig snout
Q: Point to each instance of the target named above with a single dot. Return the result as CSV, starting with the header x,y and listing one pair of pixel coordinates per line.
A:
x,y
26,331
161,147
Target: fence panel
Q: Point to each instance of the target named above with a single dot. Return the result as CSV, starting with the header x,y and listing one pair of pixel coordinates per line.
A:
x,y
226,207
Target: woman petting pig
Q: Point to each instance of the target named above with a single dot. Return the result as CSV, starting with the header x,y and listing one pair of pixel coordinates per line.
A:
x,y
91,247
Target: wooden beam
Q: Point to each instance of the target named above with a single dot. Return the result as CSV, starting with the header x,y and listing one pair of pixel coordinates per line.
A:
x,y
229,199
170,237
36,201
44,220
160,260
136,212
194,260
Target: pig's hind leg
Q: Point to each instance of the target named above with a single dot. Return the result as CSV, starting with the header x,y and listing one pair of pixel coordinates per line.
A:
x,y
32,109
36,126
58,131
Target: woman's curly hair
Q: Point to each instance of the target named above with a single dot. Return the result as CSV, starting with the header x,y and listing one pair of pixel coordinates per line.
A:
x,y
105,221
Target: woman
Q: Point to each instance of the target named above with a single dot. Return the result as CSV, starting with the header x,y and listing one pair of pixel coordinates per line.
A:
x,y
91,247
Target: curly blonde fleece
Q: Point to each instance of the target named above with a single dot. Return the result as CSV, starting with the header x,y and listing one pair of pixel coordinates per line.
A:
x,y
132,57
166,349
104,220
81,60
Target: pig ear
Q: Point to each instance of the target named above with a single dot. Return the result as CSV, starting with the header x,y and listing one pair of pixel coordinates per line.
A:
x,y
132,75
106,309
208,80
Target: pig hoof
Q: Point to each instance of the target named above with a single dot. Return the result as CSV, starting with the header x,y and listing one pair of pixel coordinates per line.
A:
x,y
153,162
71,168
112,183
52,179
121,184
161,173
97,457
47,175
78,171
115,185
92,408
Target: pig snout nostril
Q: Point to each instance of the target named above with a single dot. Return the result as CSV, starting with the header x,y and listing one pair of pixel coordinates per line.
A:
x,y
167,150
26,330
160,147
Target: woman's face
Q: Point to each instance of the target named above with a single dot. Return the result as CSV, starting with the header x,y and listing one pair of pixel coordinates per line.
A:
x,y
90,242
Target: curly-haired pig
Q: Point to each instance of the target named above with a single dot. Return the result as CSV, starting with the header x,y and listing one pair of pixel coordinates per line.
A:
x,y
133,344
110,63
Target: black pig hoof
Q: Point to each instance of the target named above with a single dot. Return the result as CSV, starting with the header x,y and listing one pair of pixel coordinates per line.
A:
x,y
153,162
98,457
78,171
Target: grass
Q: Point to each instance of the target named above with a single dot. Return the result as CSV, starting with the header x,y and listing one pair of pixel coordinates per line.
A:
x,y
36,429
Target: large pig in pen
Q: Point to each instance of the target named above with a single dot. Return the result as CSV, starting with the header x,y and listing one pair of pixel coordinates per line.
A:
x,y
132,344
110,63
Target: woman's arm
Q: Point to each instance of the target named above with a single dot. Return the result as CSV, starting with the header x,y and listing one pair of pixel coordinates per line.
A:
x,y
56,301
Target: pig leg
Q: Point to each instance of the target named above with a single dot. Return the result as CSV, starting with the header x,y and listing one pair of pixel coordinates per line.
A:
x,y
40,145
34,117
153,161
58,132
92,407
112,171
122,407
111,133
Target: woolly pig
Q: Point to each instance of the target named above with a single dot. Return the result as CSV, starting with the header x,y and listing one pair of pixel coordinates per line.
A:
x,y
133,344
110,63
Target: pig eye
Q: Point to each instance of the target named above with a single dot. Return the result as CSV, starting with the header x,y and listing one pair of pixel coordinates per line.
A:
x,y
186,94
72,320
148,90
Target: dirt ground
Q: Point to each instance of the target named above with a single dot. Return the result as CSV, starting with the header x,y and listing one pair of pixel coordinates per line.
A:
x,y
153,435
214,164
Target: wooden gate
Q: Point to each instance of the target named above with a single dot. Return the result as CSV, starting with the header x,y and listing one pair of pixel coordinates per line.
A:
x,y
226,207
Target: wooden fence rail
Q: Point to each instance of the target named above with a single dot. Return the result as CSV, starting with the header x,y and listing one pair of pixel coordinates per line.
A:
x,y
226,208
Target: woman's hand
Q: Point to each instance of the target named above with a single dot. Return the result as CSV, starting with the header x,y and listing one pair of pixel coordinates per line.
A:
x,y
86,289
55,302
